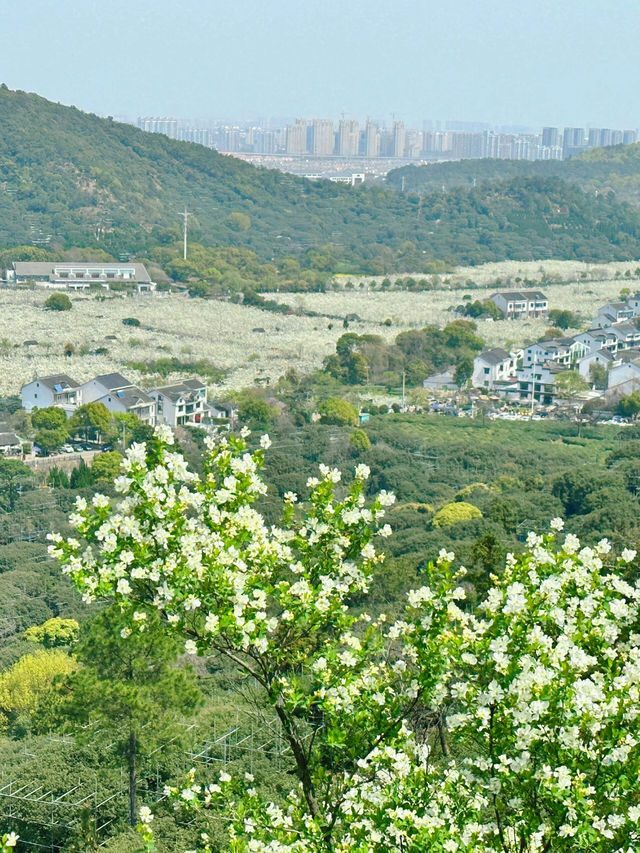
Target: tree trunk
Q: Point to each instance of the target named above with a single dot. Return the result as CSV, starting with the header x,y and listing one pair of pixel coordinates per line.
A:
x,y
131,757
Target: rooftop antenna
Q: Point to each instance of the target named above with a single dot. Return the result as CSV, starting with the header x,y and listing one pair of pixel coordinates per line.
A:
x,y
185,215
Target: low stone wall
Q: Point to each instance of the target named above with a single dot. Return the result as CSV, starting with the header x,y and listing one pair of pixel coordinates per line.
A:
x,y
64,461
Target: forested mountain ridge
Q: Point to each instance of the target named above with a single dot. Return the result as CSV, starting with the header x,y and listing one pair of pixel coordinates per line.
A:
x,y
68,178
74,176
616,168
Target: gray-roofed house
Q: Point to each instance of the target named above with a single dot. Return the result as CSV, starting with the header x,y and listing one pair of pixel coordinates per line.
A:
x,y
516,304
597,339
491,366
601,358
441,381
97,387
10,444
561,350
624,378
613,312
223,409
626,333
57,390
131,400
79,275
181,403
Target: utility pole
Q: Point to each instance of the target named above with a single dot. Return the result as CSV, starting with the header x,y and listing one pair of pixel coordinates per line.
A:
x,y
403,376
185,215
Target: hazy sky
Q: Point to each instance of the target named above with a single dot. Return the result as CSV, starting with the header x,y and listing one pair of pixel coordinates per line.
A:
x,y
531,62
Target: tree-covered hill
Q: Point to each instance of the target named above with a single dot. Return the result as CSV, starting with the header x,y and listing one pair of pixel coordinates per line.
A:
x,y
74,176
69,179
614,168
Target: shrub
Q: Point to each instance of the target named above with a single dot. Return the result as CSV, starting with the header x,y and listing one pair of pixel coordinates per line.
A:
x,y
30,677
53,632
339,412
131,321
454,513
360,440
58,302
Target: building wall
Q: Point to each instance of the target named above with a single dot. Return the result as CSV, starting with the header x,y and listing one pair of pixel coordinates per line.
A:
x,y
36,395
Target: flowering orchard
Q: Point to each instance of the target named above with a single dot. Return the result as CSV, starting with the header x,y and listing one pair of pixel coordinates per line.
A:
x,y
512,728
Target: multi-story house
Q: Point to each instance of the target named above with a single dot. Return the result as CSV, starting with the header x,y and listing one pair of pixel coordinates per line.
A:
x,y
132,401
97,387
493,366
602,358
79,275
624,377
536,382
597,339
516,304
634,303
626,334
561,350
613,312
59,390
181,403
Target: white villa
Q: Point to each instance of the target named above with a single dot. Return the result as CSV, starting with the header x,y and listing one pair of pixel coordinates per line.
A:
x,y
493,366
182,403
516,304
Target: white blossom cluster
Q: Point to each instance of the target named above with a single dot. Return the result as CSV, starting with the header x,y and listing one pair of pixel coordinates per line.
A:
x,y
513,728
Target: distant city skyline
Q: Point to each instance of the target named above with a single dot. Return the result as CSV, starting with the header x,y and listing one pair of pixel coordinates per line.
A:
x,y
505,62
323,139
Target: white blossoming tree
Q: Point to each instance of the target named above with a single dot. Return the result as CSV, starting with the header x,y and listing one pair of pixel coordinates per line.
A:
x,y
511,729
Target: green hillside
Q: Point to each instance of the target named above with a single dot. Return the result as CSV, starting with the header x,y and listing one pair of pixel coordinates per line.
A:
x,y
71,175
614,168
70,179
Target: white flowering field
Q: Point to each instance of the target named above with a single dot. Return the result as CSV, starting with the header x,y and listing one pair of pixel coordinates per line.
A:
x,y
415,310
224,333
173,325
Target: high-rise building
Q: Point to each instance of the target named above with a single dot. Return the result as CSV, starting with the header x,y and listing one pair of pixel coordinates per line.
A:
x,y
297,137
573,141
152,124
323,137
398,138
629,137
371,140
201,135
413,144
467,146
550,136
348,137
264,141
593,140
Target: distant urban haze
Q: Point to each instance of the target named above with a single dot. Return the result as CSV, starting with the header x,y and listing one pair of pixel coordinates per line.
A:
x,y
504,62
351,151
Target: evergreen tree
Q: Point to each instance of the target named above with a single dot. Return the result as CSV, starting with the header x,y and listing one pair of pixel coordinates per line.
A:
x,y
130,686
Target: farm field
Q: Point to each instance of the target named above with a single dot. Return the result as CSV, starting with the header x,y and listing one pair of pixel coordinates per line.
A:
x,y
172,325
248,343
417,309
